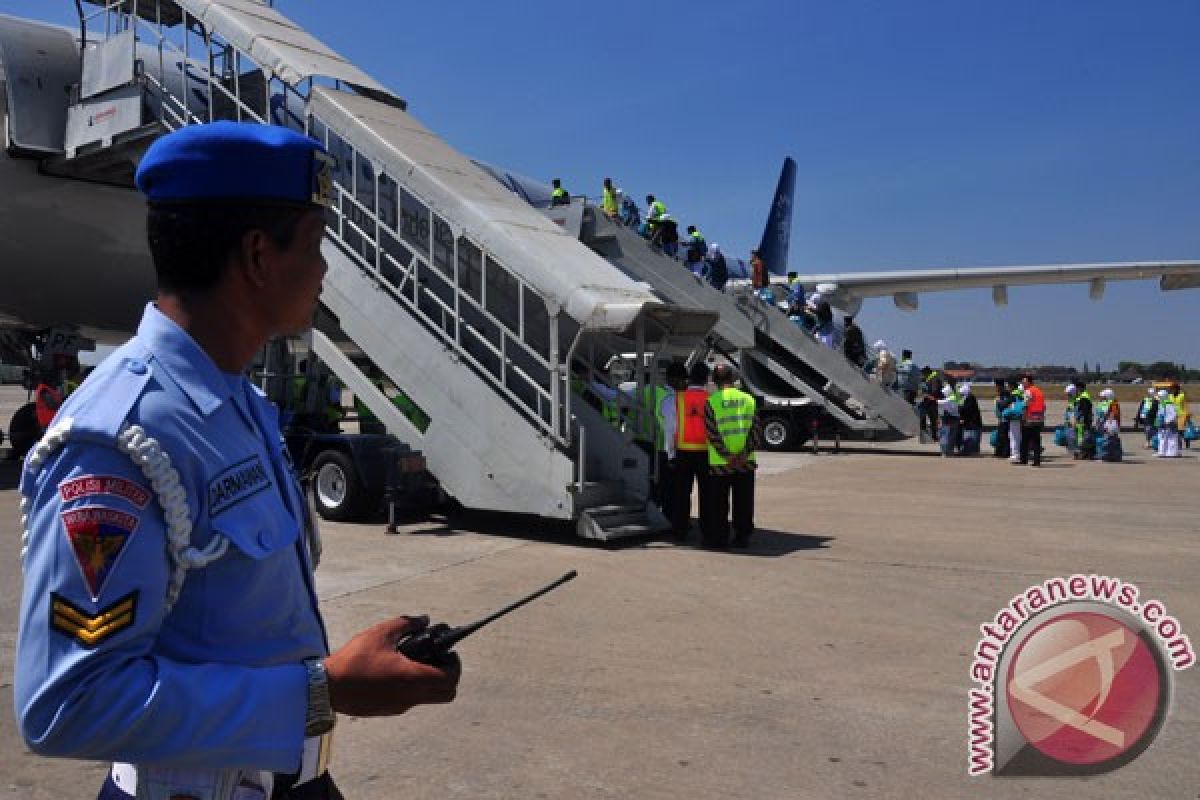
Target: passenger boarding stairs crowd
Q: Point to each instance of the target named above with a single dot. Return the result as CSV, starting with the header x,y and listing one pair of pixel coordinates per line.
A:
x,y
779,361
487,315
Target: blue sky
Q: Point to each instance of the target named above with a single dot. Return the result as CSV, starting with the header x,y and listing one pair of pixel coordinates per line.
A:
x,y
925,133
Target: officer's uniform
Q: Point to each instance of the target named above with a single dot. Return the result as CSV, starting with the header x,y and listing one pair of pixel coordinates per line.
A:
x,y
168,603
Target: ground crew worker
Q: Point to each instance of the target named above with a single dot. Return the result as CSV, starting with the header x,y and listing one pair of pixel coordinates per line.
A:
x,y
696,249
47,399
168,620
608,200
655,211
558,195
1182,415
71,376
656,425
690,464
1084,415
1033,422
732,429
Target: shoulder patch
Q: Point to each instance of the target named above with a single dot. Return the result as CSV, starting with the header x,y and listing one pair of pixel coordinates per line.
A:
x,y
98,536
87,629
234,484
96,485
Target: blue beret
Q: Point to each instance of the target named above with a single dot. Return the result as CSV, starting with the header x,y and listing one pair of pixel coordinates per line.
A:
x,y
236,161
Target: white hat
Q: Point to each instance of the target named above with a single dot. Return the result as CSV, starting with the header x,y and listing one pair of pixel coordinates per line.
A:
x,y
814,299
1162,394
713,249
881,345
1107,394
1071,388
964,389
1150,391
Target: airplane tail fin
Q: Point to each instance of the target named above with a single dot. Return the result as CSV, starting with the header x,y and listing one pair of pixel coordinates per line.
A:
x,y
778,233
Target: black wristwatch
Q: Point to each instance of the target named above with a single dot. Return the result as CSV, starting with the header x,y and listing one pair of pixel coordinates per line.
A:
x,y
319,717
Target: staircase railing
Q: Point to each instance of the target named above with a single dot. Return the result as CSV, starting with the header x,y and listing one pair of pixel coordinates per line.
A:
x,y
480,311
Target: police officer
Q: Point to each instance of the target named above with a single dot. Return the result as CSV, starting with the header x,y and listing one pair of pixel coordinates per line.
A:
x,y
169,621
731,427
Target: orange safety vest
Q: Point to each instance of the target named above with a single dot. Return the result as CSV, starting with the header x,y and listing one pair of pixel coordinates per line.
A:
x,y
689,420
1035,405
45,414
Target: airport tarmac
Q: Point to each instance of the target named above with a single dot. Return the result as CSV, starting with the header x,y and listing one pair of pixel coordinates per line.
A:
x,y
830,660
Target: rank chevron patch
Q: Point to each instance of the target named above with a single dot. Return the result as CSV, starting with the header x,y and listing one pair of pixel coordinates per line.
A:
x,y
91,629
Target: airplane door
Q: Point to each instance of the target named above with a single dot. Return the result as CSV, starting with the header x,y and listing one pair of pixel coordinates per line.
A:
x,y
40,65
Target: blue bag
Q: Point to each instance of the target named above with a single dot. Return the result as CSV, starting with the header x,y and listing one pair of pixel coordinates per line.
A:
x,y
1060,436
994,439
1190,434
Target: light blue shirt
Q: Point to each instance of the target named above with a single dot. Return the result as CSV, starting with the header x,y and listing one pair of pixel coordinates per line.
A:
x,y
219,681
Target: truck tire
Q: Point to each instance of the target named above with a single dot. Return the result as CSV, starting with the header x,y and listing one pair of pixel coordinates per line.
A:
x,y
337,490
777,432
23,431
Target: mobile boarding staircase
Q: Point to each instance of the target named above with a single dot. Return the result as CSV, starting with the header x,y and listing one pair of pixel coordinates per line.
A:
x,y
777,359
486,314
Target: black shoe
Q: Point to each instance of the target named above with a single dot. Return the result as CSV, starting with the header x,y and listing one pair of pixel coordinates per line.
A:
x,y
741,543
679,536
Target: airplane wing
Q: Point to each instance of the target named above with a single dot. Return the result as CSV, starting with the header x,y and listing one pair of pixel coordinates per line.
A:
x,y
848,289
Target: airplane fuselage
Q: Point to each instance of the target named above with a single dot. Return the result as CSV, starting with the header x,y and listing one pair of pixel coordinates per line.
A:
x,y
71,252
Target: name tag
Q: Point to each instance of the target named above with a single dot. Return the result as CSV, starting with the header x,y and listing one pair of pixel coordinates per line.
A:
x,y
237,483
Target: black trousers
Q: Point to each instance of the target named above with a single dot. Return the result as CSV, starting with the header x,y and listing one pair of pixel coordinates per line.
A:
x,y
1031,442
929,417
714,525
664,486
1001,450
690,467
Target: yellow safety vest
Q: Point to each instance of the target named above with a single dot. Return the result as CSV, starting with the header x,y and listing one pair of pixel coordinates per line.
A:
x,y
610,202
654,413
734,412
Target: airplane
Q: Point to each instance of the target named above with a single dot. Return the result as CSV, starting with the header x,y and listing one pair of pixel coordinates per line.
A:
x,y
75,261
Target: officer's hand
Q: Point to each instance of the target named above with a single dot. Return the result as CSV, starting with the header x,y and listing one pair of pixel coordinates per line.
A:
x,y
368,678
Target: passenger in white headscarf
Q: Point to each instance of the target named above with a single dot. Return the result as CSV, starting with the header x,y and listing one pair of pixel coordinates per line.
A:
x,y
1168,429
885,365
